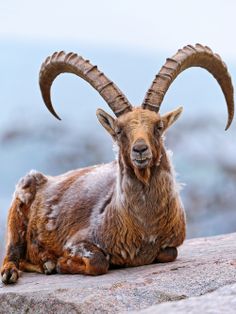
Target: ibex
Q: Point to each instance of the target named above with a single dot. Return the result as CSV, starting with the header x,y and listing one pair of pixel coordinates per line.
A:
x,y
124,213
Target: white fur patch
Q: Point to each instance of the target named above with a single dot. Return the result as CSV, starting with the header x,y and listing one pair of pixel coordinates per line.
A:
x,y
116,150
69,262
97,176
123,254
34,178
163,247
50,226
152,238
25,197
55,211
178,186
39,177
79,250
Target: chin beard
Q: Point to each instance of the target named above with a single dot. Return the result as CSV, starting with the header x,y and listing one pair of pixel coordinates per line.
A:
x,y
143,175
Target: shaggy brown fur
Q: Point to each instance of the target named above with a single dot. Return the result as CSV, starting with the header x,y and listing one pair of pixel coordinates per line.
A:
x,y
122,213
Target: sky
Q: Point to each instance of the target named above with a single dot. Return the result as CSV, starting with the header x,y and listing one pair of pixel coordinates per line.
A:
x,y
151,25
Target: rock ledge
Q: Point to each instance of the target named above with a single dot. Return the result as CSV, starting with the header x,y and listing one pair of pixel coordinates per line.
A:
x,y
203,266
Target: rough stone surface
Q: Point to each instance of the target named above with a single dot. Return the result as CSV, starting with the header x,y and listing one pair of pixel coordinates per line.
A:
x,y
221,301
203,265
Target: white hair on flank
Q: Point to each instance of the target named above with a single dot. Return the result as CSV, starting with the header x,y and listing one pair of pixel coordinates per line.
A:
x,y
55,210
24,193
79,250
96,176
119,195
39,177
116,150
178,185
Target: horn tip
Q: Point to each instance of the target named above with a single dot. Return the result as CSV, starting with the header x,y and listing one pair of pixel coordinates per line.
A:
x,y
53,112
57,117
229,123
227,126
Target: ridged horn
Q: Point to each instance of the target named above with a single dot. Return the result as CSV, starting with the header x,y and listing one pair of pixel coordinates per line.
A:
x,y
60,62
191,56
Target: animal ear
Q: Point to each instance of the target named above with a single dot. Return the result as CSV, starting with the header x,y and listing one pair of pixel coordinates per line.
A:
x,y
170,117
106,121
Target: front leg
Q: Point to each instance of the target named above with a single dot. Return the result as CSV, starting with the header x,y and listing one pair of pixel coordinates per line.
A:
x,y
17,225
175,234
46,264
83,258
16,245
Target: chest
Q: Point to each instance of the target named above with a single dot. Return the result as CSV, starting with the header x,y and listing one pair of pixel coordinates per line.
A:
x,y
129,246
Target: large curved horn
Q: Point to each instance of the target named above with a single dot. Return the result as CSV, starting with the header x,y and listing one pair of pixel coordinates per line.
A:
x,y
190,56
60,62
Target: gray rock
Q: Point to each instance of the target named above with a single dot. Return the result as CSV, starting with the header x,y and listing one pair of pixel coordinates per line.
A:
x,y
203,265
221,301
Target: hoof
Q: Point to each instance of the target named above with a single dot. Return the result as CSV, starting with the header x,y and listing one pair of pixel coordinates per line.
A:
x,y
166,255
49,268
10,275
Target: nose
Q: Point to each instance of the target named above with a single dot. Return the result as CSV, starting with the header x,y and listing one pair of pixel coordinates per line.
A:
x,y
140,147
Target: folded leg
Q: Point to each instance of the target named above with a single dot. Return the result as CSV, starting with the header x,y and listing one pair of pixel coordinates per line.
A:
x,y
166,255
83,258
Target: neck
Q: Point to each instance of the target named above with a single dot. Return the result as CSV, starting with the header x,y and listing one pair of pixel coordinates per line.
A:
x,y
135,196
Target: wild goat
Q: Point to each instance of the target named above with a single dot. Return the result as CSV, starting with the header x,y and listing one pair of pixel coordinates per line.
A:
x,y
127,212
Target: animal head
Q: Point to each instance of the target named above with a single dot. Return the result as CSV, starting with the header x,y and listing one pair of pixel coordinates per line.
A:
x,y
138,131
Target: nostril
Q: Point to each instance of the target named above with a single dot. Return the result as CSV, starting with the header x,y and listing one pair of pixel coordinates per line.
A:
x,y
140,148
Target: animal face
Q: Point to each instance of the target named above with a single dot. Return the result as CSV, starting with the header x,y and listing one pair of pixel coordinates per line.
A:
x,y
138,134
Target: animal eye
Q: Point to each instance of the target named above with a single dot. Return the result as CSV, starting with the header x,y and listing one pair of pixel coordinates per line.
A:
x,y
118,131
159,127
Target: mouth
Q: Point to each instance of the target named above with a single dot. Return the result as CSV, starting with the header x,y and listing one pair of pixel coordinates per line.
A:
x,y
141,162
